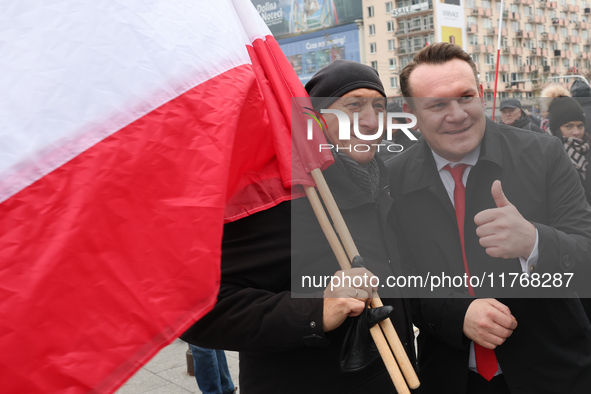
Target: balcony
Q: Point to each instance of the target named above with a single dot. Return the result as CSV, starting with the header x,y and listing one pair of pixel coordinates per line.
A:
x,y
587,10
503,31
478,11
536,52
557,53
543,37
573,8
509,50
546,69
552,5
473,28
513,16
519,33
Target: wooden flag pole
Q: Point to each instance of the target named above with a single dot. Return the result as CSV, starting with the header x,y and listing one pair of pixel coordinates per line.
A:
x,y
345,236
376,333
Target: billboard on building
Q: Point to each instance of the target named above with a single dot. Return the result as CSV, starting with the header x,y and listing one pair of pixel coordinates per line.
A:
x,y
310,52
287,17
451,22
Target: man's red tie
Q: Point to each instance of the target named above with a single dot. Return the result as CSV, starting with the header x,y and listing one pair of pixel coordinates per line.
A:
x,y
486,360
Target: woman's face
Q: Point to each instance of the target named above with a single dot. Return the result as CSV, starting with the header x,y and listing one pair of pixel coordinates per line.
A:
x,y
369,105
575,129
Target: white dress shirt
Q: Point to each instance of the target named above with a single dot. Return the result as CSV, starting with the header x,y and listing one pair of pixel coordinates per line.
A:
x,y
527,265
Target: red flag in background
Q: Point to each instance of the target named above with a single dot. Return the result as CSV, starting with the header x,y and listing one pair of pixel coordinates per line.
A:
x,y
130,130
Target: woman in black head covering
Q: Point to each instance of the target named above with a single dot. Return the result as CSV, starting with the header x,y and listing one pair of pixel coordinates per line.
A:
x,y
567,122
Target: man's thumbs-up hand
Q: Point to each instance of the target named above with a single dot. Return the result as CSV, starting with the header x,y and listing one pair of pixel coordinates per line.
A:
x,y
502,230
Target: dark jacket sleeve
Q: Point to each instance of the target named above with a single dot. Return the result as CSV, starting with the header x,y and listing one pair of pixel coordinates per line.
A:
x,y
255,309
565,242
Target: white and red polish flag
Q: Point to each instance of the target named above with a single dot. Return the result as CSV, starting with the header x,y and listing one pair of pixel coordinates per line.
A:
x,y
129,131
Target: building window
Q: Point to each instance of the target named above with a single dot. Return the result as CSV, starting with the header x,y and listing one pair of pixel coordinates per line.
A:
x,y
564,32
475,58
529,27
485,3
389,6
514,8
473,39
515,26
488,96
490,77
403,62
489,58
503,95
392,63
370,11
374,65
530,95
372,47
393,83
391,44
390,26
566,62
517,60
372,29
527,11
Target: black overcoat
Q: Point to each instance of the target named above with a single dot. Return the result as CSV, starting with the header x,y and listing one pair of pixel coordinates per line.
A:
x,y
550,350
282,346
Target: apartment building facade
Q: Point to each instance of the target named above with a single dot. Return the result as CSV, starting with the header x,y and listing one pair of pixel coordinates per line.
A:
x,y
542,41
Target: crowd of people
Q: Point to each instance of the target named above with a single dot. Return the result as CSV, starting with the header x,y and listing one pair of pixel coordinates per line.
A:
x,y
470,197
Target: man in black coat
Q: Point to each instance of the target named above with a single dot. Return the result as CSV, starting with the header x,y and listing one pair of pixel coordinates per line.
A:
x,y
513,115
534,221
290,340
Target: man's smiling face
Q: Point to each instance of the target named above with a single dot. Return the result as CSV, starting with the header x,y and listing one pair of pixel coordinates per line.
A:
x,y
449,110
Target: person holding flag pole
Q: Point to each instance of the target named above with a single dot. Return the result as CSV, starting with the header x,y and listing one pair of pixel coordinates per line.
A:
x,y
290,339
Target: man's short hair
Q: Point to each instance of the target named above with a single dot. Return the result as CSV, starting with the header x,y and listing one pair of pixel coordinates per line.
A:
x,y
439,53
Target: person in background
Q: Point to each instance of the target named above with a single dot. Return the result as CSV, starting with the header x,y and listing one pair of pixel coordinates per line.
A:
x,y
582,93
545,121
211,371
567,122
513,115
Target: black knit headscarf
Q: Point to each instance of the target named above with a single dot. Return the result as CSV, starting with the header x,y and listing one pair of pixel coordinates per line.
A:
x,y
563,110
